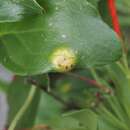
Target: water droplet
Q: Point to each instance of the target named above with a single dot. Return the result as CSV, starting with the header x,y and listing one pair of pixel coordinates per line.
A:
x,y
64,36
57,8
50,24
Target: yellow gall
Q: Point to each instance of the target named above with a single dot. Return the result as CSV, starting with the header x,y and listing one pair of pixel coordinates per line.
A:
x,y
63,59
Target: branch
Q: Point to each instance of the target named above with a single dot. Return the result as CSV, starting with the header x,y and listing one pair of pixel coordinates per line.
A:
x,y
117,29
91,82
68,105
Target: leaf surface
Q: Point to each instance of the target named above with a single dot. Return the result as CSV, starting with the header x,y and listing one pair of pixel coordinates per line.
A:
x,y
76,26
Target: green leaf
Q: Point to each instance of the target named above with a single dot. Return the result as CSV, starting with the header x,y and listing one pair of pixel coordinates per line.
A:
x,y
57,121
86,118
72,26
102,125
48,108
64,122
107,116
17,94
121,80
94,2
15,10
117,109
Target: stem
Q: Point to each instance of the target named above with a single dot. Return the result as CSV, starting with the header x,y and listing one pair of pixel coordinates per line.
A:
x,y
23,108
117,28
99,81
54,95
45,89
94,73
90,81
114,16
49,83
125,71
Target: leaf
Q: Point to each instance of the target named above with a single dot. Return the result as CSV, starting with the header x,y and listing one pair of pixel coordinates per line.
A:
x,y
15,10
86,118
116,108
17,94
102,125
57,122
48,108
107,116
49,113
65,123
122,83
94,2
31,45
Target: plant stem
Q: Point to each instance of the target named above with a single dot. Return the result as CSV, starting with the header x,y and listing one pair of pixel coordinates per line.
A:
x,y
90,81
53,94
125,70
117,28
114,16
100,82
23,108
94,73
45,89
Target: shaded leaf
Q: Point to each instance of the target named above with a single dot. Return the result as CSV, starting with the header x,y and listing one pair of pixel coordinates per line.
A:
x,y
86,118
48,108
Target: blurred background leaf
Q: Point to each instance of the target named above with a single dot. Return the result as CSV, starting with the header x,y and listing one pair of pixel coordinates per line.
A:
x,y
16,10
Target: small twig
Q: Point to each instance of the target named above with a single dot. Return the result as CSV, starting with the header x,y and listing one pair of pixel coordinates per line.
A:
x,y
91,82
52,94
44,88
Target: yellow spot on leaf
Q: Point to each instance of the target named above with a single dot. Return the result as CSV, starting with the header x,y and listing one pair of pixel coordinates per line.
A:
x,y
63,59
